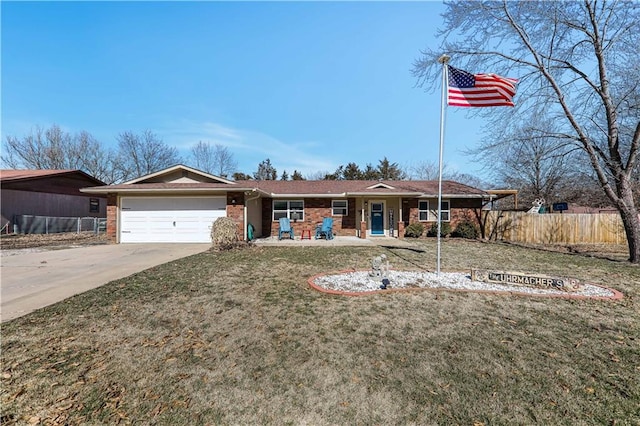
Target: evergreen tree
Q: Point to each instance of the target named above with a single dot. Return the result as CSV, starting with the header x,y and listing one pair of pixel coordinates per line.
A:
x,y
352,172
265,171
370,173
241,176
390,171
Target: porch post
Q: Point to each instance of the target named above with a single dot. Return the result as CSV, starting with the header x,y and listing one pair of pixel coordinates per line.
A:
x,y
400,221
363,223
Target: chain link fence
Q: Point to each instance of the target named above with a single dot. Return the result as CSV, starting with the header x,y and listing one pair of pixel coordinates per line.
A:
x,y
27,224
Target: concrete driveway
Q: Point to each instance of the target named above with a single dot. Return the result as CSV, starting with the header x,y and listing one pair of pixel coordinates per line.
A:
x,y
31,280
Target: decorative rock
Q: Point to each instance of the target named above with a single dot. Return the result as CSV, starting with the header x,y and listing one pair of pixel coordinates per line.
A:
x,y
357,283
525,279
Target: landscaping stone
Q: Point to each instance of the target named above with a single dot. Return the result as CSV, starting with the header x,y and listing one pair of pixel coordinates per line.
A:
x,y
361,283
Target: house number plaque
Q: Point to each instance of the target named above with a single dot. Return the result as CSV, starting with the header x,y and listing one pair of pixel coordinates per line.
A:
x,y
527,280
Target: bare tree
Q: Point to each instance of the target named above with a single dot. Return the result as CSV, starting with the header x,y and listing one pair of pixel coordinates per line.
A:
x,y
579,68
319,175
55,149
215,159
429,170
535,164
41,149
93,158
139,155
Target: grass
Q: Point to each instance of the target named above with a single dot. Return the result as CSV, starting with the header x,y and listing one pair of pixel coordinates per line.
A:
x,y
60,240
239,338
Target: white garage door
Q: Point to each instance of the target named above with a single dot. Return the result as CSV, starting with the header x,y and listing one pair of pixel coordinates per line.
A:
x,y
169,219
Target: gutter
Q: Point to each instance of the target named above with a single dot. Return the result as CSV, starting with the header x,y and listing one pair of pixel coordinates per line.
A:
x,y
91,190
273,195
384,194
414,194
482,196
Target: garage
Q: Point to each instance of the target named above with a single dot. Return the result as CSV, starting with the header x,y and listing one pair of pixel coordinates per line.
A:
x,y
169,219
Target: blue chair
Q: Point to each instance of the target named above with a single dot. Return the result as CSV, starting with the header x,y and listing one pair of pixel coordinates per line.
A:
x,y
326,229
285,227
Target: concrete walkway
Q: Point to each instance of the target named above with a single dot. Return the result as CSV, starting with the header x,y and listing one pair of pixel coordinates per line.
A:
x,y
337,241
32,279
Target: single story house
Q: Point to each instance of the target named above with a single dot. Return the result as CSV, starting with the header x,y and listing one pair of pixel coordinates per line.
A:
x,y
179,204
54,193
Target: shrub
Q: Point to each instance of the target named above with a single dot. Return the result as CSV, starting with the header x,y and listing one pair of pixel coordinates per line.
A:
x,y
414,230
224,233
445,229
466,229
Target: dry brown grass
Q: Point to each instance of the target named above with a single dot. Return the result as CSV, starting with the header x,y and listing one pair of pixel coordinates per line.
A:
x,y
618,252
238,337
66,239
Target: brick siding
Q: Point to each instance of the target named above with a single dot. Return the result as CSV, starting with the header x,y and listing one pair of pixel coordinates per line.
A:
x,y
315,209
112,218
460,209
235,210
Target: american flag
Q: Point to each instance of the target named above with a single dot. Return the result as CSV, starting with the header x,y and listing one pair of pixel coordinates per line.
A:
x,y
479,90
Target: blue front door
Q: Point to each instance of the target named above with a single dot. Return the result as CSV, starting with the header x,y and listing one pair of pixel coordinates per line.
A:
x,y
377,218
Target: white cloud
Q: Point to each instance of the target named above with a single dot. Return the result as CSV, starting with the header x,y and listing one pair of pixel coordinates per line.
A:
x,y
249,147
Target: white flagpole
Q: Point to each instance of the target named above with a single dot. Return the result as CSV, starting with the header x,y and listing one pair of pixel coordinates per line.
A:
x,y
443,60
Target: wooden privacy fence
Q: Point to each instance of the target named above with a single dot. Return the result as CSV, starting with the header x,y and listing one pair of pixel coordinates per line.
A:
x,y
522,227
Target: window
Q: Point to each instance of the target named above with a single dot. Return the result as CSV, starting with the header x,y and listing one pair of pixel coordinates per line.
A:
x,y
339,207
444,209
94,205
423,211
425,214
294,210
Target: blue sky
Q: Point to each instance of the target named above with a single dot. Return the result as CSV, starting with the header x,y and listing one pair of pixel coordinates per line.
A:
x,y
310,85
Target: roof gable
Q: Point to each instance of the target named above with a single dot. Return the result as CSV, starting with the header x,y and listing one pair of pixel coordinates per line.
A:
x,y
380,185
180,174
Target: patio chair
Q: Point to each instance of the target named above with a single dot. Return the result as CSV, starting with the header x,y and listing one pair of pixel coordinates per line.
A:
x,y
285,227
325,229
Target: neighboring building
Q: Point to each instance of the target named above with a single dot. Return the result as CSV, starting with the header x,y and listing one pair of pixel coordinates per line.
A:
x,y
48,193
179,204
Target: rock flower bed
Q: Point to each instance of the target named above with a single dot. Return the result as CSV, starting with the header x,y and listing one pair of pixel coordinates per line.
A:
x,y
360,283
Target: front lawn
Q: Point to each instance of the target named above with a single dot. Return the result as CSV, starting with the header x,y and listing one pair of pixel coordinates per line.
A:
x,y
239,338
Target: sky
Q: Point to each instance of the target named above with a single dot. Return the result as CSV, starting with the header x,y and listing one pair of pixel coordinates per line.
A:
x,y
309,85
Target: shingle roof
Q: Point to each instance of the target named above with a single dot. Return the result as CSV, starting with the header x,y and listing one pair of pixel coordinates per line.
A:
x,y
363,187
8,175
170,186
29,174
310,188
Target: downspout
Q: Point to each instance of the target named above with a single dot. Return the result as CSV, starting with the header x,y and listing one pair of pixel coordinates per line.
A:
x,y
246,201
